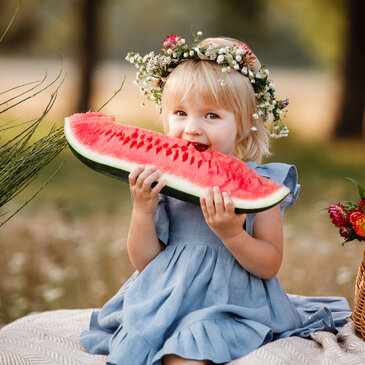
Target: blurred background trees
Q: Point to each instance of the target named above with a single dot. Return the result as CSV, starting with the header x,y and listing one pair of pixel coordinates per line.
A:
x,y
323,34
349,122
87,56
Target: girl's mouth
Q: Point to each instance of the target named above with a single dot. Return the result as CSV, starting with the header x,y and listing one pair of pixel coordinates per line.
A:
x,y
201,147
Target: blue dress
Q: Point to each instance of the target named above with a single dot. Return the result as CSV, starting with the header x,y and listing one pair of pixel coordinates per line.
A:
x,y
196,301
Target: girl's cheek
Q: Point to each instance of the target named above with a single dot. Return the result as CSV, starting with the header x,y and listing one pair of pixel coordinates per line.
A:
x,y
174,131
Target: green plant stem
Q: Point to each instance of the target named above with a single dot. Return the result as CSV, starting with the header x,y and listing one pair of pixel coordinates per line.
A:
x,y
11,22
114,95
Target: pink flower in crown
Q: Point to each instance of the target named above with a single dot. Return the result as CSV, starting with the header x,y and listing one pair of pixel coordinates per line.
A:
x,y
251,57
171,42
338,215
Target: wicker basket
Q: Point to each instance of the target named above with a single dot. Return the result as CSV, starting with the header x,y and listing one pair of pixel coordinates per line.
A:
x,y
359,305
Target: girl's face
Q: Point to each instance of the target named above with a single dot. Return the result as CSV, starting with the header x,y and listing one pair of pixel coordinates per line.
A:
x,y
208,127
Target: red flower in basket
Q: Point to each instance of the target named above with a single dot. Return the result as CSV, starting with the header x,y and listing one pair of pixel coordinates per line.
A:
x,y
350,217
338,215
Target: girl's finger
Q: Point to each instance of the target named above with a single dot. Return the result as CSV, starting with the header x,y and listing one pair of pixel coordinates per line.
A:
x,y
144,174
218,200
228,203
156,190
150,179
132,177
203,205
209,202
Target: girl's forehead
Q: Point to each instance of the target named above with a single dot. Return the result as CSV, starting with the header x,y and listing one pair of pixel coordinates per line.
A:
x,y
196,100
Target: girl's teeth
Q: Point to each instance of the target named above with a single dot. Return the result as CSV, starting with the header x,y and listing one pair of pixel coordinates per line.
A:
x,y
200,147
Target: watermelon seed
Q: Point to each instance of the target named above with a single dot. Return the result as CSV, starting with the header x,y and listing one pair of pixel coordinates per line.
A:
x,y
133,143
157,141
192,160
176,155
149,147
158,149
134,135
142,136
200,162
140,144
185,156
126,140
168,152
149,139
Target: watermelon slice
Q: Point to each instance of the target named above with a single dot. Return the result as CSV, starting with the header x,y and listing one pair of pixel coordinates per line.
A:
x,y
115,149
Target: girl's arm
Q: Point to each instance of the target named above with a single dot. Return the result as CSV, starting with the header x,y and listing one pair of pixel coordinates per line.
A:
x,y
261,254
143,244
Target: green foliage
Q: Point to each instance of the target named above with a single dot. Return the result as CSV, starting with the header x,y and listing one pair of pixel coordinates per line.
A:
x,y
319,25
21,158
359,187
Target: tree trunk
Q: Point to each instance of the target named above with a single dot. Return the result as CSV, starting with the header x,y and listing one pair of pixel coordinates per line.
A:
x,y
87,53
350,119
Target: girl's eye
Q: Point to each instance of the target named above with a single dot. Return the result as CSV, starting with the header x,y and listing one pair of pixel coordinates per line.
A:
x,y
180,113
212,116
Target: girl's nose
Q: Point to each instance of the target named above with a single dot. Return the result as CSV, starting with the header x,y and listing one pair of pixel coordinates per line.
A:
x,y
193,127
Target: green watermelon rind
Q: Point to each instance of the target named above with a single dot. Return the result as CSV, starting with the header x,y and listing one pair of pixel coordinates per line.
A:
x,y
176,187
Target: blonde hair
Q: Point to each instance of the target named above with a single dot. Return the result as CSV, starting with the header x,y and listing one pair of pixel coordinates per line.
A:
x,y
237,95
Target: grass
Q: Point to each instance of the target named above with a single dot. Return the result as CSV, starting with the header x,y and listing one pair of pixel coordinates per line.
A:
x,y
67,248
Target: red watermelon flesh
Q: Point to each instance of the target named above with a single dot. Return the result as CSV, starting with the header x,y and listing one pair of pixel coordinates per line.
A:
x,y
108,147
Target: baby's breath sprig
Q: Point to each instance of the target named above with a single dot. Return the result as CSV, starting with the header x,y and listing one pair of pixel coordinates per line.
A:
x,y
154,70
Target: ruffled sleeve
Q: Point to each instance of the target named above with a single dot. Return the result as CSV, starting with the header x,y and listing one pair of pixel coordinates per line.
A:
x,y
161,218
284,174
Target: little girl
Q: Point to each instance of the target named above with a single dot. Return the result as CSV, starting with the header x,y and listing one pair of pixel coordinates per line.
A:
x,y
205,290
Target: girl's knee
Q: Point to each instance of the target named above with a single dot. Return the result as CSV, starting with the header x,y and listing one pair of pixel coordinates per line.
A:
x,y
177,360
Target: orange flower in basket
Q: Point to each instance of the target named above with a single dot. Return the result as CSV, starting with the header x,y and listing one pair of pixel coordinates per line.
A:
x,y
359,225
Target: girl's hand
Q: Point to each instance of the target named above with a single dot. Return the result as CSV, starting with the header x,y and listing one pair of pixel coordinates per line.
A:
x,y
144,195
218,210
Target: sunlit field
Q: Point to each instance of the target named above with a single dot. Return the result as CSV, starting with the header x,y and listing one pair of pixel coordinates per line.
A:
x,y
66,249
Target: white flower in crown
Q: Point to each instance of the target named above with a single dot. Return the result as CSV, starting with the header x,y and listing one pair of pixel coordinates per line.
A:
x,y
154,70
220,59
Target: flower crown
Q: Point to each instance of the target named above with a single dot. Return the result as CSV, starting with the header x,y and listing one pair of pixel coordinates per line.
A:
x,y
154,70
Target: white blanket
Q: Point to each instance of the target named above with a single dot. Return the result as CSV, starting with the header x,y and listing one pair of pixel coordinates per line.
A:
x,y
52,338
